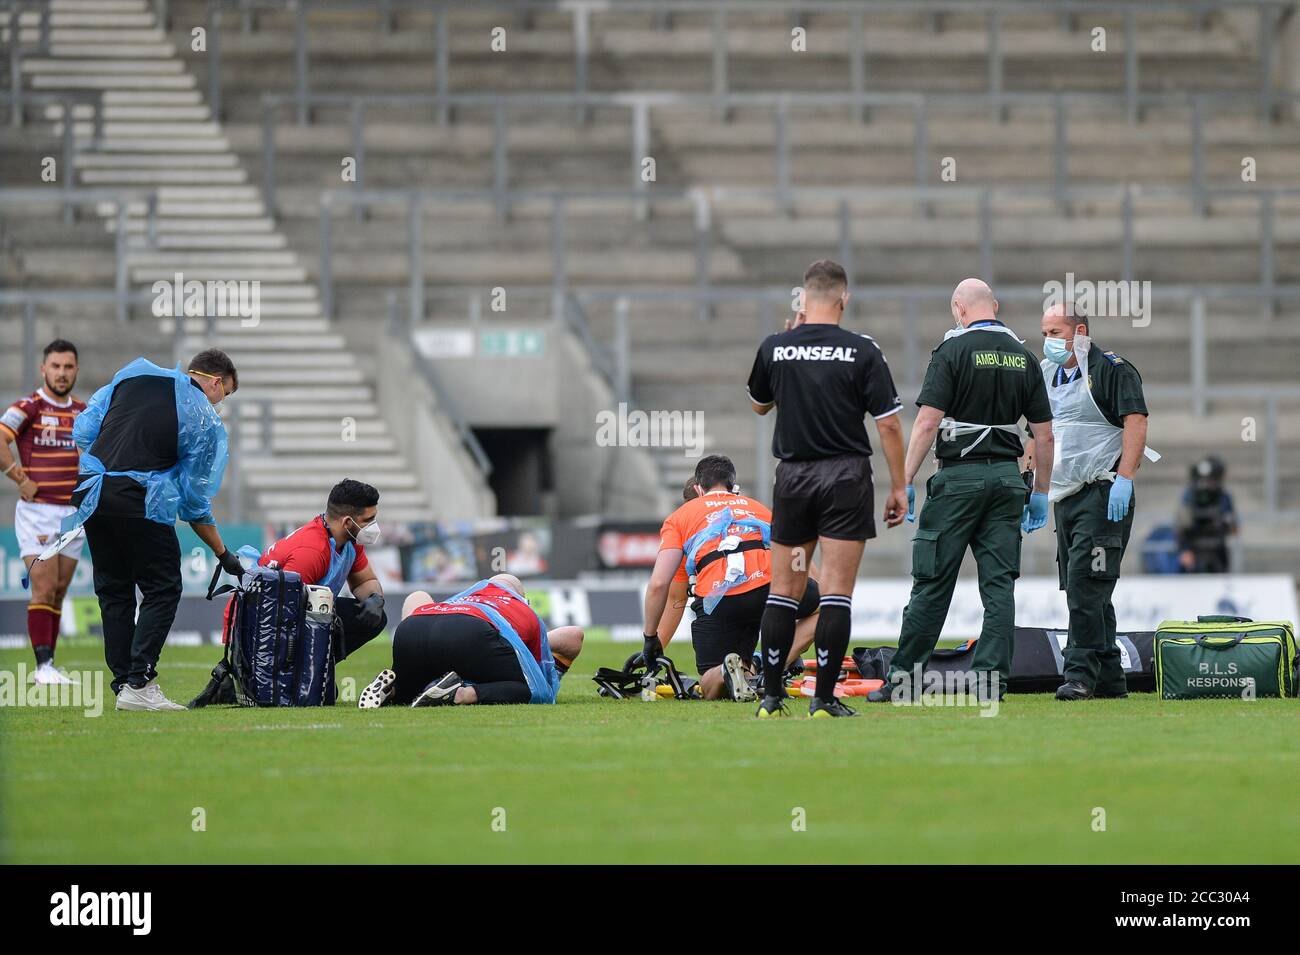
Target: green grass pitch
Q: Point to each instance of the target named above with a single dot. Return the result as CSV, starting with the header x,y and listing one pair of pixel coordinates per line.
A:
x,y
590,780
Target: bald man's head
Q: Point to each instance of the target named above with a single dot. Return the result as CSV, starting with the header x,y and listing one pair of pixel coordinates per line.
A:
x,y
973,301
508,582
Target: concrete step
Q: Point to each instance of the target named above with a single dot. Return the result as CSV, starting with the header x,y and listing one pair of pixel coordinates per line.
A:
x,y
158,177
274,345
268,358
169,225
153,98
122,50
289,412
159,113
42,66
112,159
255,377
273,241
317,396
218,259
133,81
229,273
289,472
153,130
177,146
325,444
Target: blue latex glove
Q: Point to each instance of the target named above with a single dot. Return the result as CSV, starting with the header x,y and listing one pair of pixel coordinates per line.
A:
x,y
1035,515
1121,494
911,504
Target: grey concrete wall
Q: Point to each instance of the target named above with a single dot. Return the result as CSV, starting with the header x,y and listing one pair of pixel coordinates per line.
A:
x,y
559,390
432,446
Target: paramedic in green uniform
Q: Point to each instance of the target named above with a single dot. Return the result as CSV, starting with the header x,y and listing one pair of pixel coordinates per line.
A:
x,y
1100,423
981,382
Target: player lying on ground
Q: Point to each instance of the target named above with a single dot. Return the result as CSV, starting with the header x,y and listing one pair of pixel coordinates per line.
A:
x,y
485,645
46,473
724,566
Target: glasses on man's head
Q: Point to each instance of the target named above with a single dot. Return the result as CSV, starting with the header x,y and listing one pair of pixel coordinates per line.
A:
x,y
217,378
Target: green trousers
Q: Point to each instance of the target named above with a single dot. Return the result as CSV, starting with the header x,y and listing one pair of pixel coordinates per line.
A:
x,y
1089,548
976,504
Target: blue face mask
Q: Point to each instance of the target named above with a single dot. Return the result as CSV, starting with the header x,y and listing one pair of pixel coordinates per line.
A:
x,y
1056,350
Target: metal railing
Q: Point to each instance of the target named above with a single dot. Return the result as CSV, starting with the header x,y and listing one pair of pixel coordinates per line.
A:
x,y
581,12
612,357
1267,291
122,200
16,101
920,107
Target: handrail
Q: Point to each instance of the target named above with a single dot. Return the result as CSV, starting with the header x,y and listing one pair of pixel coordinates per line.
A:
x,y
921,106
580,11
121,198
703,199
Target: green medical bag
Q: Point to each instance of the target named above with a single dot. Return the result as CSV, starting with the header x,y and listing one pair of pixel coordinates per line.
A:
x,y
1219,656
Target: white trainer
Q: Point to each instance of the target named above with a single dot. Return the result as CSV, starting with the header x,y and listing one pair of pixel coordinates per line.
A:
x,y
49,674
379,692
148,698
736,679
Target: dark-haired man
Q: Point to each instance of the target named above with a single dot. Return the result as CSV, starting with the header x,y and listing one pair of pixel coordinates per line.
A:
x,y
714,551
153,449
45,472
823,380
330,550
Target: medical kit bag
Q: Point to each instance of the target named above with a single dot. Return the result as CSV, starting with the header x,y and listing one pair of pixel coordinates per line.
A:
x,y
279,639
1225,656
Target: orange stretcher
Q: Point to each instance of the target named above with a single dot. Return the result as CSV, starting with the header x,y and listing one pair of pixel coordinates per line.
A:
x,y
808,687
810,666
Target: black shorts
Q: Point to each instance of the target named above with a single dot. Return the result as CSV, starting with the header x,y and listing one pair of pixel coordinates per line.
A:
x,y
831,497
733,625
426,648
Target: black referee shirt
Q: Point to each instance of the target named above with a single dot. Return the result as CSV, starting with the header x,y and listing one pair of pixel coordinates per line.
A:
x,y
138,433
824,379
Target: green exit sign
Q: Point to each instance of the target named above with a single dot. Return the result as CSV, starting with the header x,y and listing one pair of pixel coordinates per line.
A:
x,y
512,344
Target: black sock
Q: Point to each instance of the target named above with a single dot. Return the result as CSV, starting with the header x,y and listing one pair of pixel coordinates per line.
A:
x,y
777,632
834,623
43,655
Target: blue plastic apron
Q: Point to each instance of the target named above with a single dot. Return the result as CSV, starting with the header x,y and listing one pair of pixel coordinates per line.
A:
x,y
716,531
543,678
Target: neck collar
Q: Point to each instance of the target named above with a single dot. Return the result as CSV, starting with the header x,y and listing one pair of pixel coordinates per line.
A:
x,y
45,396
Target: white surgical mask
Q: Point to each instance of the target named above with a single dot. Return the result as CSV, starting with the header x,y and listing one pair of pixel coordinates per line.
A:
x,y
1056,350
367,536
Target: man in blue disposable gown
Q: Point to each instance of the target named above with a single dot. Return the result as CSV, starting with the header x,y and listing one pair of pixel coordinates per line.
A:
x,y
153,449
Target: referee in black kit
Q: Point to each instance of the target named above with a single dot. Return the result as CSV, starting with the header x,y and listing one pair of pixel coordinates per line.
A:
x,y
824,380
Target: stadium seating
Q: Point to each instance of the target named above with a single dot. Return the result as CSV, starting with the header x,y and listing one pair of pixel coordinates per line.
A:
x,y
757,241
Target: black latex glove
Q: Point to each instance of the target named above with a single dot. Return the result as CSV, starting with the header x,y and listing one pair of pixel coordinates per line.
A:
x,y
371,612
651,650
229,562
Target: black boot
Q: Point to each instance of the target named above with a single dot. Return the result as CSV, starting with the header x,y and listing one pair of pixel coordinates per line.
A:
x,y
1074,690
